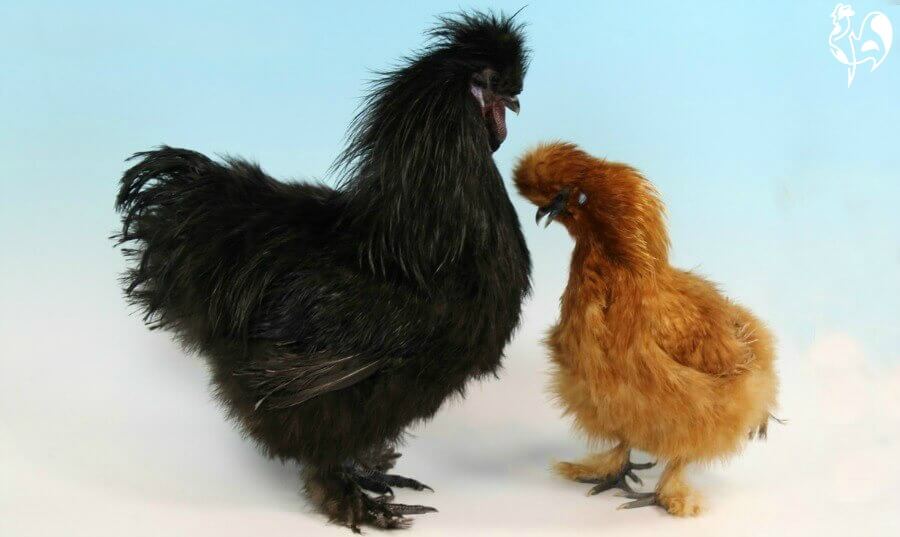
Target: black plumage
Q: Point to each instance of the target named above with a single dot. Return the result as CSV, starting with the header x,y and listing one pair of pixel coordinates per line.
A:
x,y
332,319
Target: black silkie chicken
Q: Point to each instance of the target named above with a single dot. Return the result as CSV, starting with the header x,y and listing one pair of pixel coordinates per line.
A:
x,y
332,319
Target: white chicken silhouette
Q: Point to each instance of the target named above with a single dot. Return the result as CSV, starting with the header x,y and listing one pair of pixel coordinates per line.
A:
x,y
871,43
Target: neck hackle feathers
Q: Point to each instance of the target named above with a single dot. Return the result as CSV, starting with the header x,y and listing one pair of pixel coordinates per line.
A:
x,y
420,145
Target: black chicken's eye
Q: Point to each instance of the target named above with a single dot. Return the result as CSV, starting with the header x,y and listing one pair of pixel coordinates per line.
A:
x,y
479,80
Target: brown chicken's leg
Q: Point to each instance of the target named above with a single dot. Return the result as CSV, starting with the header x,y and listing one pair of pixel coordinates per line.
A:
x,y
672,493
605,470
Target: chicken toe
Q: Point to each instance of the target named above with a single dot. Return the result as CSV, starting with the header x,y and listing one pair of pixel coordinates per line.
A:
x,y
617,480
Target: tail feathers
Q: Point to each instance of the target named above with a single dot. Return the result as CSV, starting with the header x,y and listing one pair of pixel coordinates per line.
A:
x,y
159,171
148,194
151,202
185,220
208,239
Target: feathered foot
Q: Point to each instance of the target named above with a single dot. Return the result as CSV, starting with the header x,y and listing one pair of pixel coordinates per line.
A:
x,y
760,432
672,494
380,459
605,471
338,495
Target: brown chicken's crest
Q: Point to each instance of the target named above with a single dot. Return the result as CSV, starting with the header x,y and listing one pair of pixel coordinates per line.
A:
x,y
591,197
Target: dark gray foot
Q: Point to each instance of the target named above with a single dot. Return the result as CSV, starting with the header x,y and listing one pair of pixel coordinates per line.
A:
x,y
641,499
619,480
342,499
380,482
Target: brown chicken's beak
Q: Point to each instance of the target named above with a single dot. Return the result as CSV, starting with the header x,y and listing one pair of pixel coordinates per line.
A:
x,y
553,209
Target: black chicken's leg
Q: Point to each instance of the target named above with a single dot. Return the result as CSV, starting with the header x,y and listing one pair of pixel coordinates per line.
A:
x,y
338,495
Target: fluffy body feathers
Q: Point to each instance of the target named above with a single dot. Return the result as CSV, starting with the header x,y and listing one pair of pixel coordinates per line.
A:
x,y
332,319
646,355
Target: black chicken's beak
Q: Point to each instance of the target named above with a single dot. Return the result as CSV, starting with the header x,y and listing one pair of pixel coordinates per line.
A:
x,y
553,209
512,103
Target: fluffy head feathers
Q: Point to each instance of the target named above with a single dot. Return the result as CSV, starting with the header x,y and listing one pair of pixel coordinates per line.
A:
x,y
483,40
607,202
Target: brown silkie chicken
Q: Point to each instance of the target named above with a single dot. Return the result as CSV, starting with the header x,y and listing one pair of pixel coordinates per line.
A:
x,y
646,356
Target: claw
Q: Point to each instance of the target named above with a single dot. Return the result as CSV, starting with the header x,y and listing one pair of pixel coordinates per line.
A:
x,y
404,482
632,495
618,480
611,483
400,509
383,514
373,485
634,477
381,482
640,499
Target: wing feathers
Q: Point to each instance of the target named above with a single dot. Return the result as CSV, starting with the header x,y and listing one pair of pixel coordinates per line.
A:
x,y
293,380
